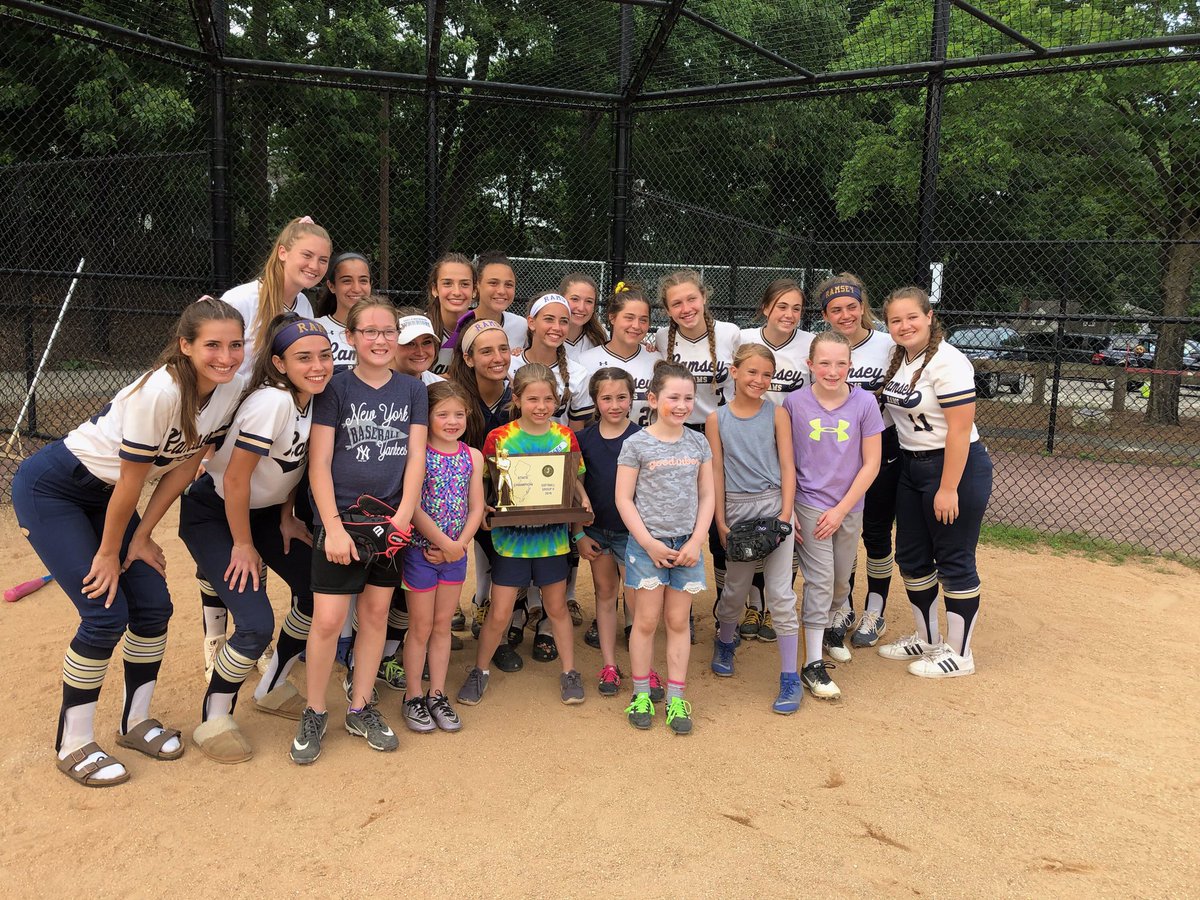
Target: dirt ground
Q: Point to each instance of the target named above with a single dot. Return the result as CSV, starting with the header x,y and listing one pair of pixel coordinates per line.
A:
x,y
1062,768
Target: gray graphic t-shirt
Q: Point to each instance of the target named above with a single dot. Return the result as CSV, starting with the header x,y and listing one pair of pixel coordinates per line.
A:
x,y
371,427
667,485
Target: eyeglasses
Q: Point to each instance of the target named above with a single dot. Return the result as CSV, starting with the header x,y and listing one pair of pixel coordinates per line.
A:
x,y
388,334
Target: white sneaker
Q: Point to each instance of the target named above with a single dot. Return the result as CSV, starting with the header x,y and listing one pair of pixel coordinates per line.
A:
x,y
942,662
265,660
905,648
212,646
815,677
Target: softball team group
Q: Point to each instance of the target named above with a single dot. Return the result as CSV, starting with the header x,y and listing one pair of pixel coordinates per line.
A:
x,y
271,419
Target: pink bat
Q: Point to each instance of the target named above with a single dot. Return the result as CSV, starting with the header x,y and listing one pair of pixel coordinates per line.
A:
x,y
13,594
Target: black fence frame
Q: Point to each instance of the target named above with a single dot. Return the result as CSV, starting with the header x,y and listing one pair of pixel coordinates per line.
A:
x,y
211,22
627,106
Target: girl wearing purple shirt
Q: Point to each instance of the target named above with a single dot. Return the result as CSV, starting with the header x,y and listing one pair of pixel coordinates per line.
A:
x,y
835,437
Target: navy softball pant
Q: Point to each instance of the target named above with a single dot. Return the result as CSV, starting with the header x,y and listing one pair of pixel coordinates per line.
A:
x,y
879,504
205,530
60,507
923,544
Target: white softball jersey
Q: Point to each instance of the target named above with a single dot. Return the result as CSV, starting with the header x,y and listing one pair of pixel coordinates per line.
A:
x,y
143,425
269,424
640,367
244,298
948,381
344,356
791,361
713,389
581,345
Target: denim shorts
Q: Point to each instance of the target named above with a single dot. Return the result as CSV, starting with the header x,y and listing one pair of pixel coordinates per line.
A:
x,y
642,574
610,541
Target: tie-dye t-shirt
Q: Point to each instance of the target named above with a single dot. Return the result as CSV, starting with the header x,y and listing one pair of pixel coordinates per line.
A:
x,y
446,491
532,541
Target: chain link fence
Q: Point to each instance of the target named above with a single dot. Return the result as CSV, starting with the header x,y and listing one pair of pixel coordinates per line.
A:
x,y
1057,203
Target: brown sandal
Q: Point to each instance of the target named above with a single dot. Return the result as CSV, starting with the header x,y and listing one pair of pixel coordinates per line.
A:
x,y
136,740
85,775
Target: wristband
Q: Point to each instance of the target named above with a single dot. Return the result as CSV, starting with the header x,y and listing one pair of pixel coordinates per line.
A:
x,y
576,538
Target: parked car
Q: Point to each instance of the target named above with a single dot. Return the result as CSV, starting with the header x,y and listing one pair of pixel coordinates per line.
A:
x,y
991,342
1133,351
1191,354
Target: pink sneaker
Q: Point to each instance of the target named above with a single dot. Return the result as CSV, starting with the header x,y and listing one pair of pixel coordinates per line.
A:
x,y
658,691
610,681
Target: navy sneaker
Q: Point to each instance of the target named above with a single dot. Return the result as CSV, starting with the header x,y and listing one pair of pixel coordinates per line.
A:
x,y
722,661
790,694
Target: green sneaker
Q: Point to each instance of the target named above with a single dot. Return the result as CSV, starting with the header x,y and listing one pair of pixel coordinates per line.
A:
x,y
640,711
391,673
679,715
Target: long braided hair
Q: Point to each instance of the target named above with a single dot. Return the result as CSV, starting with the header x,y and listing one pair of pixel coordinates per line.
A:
x,y
560,356
689,276
935,335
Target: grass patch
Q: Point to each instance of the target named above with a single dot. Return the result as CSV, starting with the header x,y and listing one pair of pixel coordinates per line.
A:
x,y
1015,537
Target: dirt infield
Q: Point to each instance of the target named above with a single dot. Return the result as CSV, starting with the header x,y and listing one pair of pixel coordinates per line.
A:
x,y
1062,768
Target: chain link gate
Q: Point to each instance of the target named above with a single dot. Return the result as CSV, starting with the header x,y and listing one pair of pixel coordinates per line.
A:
x,y
1043,157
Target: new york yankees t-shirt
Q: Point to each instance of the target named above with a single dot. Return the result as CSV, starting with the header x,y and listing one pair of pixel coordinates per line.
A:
x,y
371,431
827,444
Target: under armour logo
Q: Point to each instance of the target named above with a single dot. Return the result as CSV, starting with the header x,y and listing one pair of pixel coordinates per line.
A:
x,y
842,431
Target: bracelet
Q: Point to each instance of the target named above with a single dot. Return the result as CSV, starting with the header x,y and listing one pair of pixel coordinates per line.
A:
x,y
576,538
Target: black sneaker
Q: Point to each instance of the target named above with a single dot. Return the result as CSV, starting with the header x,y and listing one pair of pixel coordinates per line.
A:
x,y
591,637
459,621
640,711
506,659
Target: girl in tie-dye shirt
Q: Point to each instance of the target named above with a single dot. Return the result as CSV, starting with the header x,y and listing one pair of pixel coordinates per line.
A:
x,y
535,553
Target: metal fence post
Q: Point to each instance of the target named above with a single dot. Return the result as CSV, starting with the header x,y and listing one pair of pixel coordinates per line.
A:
x,y
434,12
385,187
221,226
622,154
1056,378
931,141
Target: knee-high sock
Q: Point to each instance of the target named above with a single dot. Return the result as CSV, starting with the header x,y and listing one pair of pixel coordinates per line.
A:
x,y
758,591
293,634
216,616
961,615
84,669
922,596
143,658
879,582
397,628
229,671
